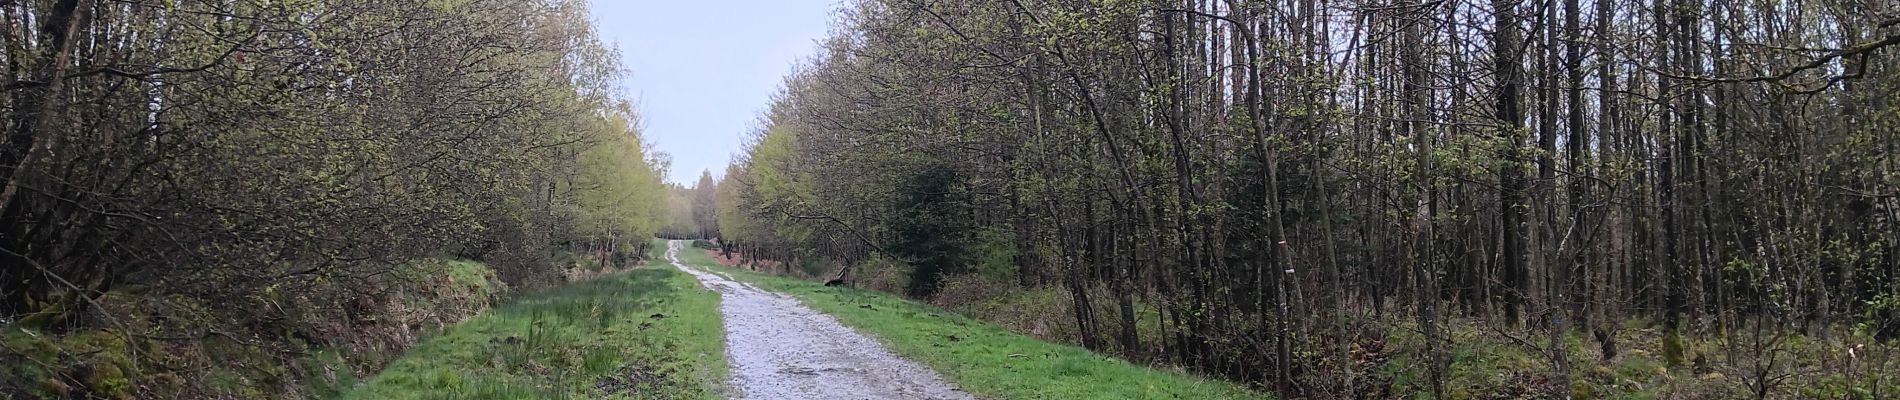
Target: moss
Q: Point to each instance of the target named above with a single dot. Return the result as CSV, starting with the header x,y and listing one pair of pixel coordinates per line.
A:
x,y
53,388
22,365
97,361
27,353
1637,368
1581,389
108,381
165,383
104,362
107,363
1672,349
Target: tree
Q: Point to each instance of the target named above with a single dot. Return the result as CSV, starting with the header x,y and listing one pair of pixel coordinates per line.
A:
x,y
705,200
229,152
1271,180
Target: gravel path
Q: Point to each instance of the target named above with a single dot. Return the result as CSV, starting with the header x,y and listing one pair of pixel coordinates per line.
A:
x,y
780,349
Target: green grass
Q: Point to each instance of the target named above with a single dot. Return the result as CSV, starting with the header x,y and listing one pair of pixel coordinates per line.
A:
x,y
982,358
648,333
480,278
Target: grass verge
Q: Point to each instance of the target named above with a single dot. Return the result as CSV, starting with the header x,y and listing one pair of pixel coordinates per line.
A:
x,y
310,342
648,333
982,358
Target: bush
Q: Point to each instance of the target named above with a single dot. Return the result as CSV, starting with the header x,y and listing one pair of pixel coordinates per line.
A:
x,y
813,267
705,244
995,254
1882,318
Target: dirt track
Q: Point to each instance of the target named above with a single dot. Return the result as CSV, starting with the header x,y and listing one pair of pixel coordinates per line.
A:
x,y
780,349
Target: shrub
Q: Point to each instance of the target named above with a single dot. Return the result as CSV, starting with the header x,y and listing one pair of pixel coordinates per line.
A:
x,y
995,254
812,267
1882,318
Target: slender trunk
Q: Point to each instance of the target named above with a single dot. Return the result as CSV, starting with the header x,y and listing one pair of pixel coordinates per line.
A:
x,y
1507,55
1426,262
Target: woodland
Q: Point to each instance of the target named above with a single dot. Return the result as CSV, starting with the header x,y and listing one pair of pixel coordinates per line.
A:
x,y
1283,192
1313,198
235,198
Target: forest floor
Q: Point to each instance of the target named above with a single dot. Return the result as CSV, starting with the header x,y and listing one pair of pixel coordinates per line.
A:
x,y
982,358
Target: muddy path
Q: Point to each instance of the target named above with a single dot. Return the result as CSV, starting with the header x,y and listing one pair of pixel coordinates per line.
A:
x,y
780,349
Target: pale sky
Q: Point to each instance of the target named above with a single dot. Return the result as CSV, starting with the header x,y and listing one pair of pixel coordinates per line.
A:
x,y
701,70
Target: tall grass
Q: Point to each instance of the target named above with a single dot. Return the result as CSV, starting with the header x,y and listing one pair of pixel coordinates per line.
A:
x,y
648,333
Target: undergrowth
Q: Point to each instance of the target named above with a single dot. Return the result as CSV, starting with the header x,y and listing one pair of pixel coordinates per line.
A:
x,y
272,344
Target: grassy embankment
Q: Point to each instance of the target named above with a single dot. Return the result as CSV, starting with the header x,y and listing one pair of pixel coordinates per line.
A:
x,y
271,345
983,358
648,333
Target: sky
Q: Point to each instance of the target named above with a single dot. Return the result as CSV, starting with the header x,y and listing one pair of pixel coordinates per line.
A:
x,y
700,71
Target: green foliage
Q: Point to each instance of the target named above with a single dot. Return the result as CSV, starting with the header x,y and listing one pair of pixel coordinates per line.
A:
x,y
933,229
1881,320
679,223
994,254
618,190
730,210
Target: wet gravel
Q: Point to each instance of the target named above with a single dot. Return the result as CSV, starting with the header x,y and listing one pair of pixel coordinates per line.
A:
x,y
780,349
